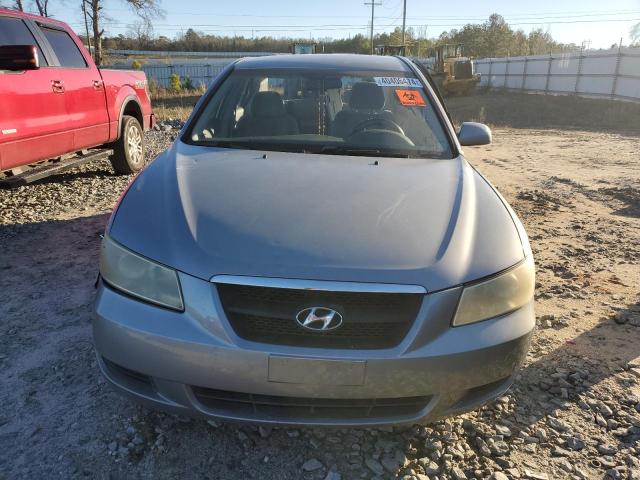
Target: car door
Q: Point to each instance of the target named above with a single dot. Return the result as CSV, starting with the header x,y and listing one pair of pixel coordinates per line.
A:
x,y
32,114
83,88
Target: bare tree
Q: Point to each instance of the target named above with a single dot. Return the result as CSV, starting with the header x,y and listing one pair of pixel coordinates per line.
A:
x,y
142,32
94,12
42,6
145,9
18,5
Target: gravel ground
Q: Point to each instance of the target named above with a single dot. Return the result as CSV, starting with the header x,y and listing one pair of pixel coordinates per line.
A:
x,y
574,411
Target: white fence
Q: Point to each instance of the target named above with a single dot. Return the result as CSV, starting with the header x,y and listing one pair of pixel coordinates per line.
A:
x,y
613,73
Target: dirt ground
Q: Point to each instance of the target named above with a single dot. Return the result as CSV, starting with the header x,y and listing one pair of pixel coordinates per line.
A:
x,y
574,411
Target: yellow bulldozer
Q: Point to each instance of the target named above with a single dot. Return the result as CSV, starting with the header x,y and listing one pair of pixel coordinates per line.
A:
x,y
452,71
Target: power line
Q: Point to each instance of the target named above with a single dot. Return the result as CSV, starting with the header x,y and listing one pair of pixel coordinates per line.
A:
x,y
392,7
538,15
529,16
576,21
257,27
347,25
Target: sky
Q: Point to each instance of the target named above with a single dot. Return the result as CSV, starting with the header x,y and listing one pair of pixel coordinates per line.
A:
x,y
569,21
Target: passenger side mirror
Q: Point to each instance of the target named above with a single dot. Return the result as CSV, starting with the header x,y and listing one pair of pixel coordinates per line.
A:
x,y
19,57
472,133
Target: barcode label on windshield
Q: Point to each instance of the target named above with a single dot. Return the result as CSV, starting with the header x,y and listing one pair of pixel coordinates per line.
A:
x,y
397,82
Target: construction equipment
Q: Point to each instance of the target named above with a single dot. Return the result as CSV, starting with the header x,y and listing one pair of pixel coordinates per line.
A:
x,y
452,71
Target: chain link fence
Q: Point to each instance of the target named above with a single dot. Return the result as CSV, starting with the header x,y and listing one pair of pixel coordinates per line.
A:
x,y
198,75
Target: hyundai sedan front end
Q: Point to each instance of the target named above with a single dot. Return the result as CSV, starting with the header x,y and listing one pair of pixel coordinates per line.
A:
x,y
315,249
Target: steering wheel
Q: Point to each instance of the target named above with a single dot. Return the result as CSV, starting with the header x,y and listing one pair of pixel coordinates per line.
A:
x,y
379,123
380,130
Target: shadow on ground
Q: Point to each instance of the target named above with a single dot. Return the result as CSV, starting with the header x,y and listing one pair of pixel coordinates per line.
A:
x,y
559,380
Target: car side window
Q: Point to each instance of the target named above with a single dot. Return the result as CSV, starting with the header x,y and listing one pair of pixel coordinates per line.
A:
x,y
13,31
64,47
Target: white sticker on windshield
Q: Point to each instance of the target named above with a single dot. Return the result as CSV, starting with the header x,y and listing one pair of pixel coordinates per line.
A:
x,y
397,82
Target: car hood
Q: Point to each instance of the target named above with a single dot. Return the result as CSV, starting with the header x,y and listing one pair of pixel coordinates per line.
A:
x,y
210,211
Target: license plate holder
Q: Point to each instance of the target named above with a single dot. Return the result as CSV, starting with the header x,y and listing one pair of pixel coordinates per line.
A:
x,y
316,371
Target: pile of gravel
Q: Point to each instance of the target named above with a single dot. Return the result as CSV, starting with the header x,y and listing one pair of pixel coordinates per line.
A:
x,y
571,414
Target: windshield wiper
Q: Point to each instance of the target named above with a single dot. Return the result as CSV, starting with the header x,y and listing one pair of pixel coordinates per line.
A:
x,y
247,145
324,149
357,151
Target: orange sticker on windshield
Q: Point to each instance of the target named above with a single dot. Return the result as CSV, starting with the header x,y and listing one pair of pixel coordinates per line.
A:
x,y
411,98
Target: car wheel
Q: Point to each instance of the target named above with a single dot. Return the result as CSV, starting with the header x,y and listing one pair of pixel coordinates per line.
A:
x,y
128,150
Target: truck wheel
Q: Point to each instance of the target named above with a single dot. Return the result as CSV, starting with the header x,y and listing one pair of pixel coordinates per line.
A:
x,y
128,150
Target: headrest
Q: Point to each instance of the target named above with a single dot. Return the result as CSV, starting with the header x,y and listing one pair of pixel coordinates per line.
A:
x,y
366,96
267,104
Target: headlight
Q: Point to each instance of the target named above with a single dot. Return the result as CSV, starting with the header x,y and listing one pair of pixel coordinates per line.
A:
x,y
498,295
139,276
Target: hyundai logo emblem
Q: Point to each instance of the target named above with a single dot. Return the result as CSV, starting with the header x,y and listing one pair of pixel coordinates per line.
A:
x,y
319,319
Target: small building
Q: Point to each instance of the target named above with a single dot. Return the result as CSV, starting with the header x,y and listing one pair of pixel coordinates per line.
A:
x,y
302,48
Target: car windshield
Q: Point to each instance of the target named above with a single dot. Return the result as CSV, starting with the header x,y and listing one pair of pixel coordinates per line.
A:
x,y
386,114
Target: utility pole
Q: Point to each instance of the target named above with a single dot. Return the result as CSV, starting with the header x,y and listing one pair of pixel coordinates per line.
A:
x,y
404,24
373,6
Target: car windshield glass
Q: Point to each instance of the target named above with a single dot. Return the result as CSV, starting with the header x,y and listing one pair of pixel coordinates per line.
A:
x,y
332,112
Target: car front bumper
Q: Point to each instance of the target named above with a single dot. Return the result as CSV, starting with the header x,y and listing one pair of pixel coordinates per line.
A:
x,y
193,363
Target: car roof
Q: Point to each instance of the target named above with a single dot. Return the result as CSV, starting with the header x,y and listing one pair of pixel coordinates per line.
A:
x,y
32,16
331,61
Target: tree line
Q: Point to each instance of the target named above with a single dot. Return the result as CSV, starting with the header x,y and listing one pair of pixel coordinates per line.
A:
x,y
492,38
495,38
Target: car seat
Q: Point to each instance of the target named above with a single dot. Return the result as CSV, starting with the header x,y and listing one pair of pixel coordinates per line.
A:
x,y
366,102
267,118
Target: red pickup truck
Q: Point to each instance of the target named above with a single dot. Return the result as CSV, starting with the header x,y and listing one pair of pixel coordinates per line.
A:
x,y
54,100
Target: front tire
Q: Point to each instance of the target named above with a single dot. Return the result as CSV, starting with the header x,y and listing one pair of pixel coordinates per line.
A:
x,y
128,150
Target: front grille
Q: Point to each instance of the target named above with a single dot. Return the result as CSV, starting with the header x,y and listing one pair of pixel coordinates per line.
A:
x,y
270,407
268,315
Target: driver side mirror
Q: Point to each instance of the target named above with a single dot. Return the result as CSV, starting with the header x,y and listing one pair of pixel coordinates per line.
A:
x,y
472,133
16,58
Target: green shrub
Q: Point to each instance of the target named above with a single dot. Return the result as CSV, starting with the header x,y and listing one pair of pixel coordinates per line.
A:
x,y
175,84
154,87
136,65
187,83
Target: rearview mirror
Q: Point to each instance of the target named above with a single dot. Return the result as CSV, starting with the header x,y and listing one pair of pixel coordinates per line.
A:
x,y
472,133
19,57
